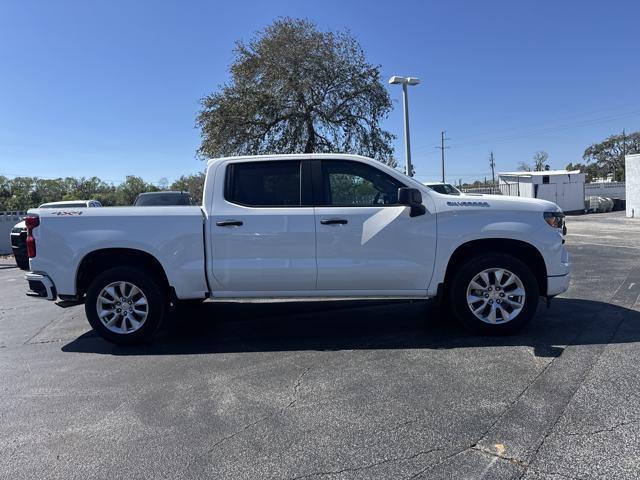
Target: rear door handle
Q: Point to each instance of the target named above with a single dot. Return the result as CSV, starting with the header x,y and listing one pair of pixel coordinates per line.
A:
x,y
333,221
229,223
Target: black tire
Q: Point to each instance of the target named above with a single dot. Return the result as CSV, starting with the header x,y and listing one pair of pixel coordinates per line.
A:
x,y
156,296
22,261
474,266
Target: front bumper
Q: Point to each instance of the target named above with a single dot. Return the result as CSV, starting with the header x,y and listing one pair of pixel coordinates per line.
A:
x,y
558,284
40,285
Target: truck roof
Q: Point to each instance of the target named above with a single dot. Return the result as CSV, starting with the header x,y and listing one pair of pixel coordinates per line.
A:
x,y
292,156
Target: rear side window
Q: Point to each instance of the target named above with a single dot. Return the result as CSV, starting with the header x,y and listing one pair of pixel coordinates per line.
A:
x,y
264,184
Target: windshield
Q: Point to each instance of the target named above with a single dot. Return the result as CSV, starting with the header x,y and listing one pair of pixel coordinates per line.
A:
x,y
445,189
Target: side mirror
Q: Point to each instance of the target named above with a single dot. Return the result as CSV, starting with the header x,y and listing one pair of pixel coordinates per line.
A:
x,y
412,198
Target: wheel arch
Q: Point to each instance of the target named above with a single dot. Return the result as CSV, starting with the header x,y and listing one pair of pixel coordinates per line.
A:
x,y
523,251
97,261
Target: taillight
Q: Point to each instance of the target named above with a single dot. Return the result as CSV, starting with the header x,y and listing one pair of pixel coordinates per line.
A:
x,y
31,223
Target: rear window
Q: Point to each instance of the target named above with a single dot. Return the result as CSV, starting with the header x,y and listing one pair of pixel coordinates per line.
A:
x,y
264,184
66,205
162,199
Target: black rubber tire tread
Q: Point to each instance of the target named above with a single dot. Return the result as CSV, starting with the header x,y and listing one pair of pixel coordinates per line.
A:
x,y
473,266
155,293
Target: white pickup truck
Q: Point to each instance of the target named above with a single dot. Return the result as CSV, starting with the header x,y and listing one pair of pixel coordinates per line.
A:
x,y
304,226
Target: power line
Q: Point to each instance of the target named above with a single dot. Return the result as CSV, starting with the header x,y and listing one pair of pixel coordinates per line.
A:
x,y
544,131
541,131
578,116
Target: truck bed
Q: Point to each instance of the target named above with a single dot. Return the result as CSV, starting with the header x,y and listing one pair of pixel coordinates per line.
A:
x,y
172,235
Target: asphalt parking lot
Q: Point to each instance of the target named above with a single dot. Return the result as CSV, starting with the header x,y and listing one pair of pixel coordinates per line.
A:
x,y
337,390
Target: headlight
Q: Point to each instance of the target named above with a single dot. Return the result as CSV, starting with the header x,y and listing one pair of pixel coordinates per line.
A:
x,y
554,219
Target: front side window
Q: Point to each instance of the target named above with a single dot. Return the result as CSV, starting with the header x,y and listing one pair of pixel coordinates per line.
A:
x,y
264,184
354,184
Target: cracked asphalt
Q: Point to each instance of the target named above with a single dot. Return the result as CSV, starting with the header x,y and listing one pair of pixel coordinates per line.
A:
x,y
339,390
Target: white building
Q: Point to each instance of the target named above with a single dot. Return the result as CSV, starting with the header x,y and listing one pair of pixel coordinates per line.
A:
x,y
632,187
563,187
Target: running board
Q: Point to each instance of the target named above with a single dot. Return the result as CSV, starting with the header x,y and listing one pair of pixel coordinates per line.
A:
x,y
311,299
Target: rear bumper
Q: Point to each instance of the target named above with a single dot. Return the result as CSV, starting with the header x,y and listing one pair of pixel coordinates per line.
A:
x,y
557,284
40,285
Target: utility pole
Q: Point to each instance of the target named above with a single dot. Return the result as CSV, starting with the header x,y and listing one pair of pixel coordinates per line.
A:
x,y
442,149
492,164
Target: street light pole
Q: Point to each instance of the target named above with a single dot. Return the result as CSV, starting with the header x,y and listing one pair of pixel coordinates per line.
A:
x,y
407,137
405,82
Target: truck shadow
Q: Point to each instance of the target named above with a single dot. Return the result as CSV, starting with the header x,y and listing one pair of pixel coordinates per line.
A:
x,y
348,325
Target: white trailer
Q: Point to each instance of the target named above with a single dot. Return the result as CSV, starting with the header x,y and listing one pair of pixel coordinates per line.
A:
x,y
562,187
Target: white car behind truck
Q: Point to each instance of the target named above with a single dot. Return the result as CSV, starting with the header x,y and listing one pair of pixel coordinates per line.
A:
x,y
303,226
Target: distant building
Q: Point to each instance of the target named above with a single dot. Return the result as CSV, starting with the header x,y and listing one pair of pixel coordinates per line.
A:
x,y
632,190
563,187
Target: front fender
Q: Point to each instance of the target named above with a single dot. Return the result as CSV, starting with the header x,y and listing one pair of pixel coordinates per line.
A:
x,y
458,228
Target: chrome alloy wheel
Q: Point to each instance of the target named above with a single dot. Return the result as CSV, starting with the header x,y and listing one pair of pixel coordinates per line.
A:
x,y
496,295
122,307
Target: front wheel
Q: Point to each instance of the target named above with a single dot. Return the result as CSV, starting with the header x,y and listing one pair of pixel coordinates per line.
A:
x,y
494,294
125,305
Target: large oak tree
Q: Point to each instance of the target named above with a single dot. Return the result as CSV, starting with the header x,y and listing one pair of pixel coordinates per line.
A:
x,y
608,155
296,89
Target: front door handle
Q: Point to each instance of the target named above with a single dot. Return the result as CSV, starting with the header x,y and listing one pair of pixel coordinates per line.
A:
x,y
229,223
333,221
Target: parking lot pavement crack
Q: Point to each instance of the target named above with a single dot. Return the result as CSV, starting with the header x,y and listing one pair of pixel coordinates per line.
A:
x,y
40,330
46,341
515,461
602,430
377,463
547,473
439,462
238,432
292,402
513,402
570,398
296,387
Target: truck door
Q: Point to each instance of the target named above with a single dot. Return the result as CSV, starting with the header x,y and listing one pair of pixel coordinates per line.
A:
x,y
262,228
365,241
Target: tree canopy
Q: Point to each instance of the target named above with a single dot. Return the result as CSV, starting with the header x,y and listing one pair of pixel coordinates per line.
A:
x,y
22,193
296,89
608,155
540,160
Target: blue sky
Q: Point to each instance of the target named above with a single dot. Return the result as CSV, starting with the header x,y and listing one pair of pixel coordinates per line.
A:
x,y
112,88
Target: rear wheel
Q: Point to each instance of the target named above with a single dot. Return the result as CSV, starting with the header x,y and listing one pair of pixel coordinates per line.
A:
x,y
125,305
22,261
494,294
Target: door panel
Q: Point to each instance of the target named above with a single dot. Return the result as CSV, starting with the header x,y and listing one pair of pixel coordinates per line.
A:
x,y
380,248
364,240
258,245
273,249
